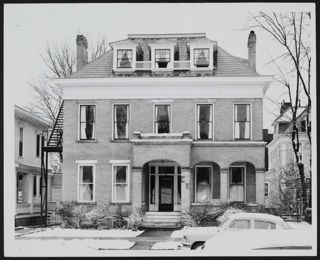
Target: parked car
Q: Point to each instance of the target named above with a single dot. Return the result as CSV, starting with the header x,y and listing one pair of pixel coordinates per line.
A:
x,y
196,237
246,240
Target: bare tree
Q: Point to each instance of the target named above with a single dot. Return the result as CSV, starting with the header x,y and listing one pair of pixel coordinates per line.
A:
x,y
291,31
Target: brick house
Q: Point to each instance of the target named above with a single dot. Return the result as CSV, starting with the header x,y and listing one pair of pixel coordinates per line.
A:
x,y
281,155
164,122
29,130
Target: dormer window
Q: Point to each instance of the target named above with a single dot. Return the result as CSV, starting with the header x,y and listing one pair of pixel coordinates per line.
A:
x,y
124,58
162,58
201,57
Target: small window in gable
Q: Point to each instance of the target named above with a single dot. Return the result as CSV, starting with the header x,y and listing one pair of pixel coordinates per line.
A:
x,y
201,57
162,58
124,58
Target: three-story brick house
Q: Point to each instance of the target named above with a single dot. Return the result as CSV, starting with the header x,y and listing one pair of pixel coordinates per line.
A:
x,y
163,122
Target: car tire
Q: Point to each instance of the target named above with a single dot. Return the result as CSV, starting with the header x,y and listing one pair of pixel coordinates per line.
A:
x,y
196,245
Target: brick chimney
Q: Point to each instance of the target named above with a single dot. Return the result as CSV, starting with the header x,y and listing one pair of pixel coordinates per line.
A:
x,y
252,51
82,51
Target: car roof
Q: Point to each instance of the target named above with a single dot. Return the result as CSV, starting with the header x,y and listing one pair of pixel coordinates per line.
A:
x,y
264,216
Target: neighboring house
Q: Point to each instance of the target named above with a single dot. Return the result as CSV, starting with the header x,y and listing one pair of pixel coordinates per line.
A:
x,y
163,122
29,130
281,154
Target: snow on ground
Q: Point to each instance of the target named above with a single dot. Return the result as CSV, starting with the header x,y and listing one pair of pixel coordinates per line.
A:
x,y
300,225
170,245
67,247
67,232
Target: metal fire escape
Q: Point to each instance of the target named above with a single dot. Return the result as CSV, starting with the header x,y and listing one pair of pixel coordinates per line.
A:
x,y
52,145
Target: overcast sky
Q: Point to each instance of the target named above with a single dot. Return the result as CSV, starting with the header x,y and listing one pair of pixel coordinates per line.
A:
x,y
29,28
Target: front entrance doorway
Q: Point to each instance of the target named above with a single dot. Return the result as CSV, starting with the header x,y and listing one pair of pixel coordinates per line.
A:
x,y
166,193
164,186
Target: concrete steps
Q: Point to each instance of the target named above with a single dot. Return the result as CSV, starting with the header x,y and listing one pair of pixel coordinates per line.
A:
x,y
161,220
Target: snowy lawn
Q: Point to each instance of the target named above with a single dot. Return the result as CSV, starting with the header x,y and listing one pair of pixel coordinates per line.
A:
x,y
170,245
66,232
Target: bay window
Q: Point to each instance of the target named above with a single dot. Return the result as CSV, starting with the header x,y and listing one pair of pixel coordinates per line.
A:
x,y
87,122
124,58
120,183
162,58
86,183
121,121
204,121
242,122
201,57
162,119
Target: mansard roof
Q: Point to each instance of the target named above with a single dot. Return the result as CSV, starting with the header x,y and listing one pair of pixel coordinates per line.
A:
x,y
227,65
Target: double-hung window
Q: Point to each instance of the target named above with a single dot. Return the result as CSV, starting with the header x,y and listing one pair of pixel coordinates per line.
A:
x,y
86,183
120,183
38,144
124,58
204,121
121,122
242,124
203,183
21,141
201,57
87,122
162,119
162,58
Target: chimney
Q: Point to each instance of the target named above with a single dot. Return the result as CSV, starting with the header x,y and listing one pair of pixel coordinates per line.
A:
x,y
252,51
82,52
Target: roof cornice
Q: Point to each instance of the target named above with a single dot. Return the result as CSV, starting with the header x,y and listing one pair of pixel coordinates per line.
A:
x,y
166,35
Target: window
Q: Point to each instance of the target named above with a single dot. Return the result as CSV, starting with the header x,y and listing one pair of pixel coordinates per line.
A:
x,y
162,119
152,185
203,183
266,189
120,183
242,121
21,141
34,185
124,58
38,145
162,58
303,126
19,188
240,224
87,121
86,183
236,175
262,224
201,57
204,121
121,121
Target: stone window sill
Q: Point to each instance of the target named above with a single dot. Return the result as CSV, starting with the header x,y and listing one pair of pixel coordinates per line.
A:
x,y
87,141
121,203
119,141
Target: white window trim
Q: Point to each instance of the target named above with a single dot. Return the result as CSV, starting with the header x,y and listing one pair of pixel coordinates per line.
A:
x,y
233,131
196,119
117,47
244,181
268,184
23,137
154,113
195,181
162,46
95,121
87,163
129,121
201,46
128,181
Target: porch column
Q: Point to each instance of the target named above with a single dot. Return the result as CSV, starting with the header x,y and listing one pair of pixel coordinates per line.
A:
x,y
136,187
224,184
185,188
260,186
30,191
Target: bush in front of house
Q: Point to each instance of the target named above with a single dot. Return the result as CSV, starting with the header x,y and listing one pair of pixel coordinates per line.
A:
x,y
98,216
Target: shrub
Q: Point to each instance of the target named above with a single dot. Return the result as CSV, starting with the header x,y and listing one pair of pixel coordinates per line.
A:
x,y
135,219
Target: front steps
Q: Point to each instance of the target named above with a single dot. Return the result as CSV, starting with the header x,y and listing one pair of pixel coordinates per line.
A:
x,y
161,220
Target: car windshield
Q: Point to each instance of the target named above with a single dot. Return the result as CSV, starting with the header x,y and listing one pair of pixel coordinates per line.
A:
x,y
223,222
285,225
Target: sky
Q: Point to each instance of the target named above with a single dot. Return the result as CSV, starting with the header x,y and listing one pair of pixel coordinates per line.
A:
x,y
29,28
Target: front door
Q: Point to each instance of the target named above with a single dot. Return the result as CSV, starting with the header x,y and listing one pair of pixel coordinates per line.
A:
x,y
166,193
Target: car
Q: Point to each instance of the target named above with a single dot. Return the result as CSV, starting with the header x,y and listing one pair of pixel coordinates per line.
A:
x,y
245,241
196,237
